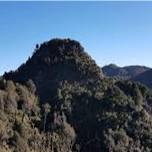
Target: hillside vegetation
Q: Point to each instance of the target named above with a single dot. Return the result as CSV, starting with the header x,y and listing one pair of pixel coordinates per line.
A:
x,y
60,101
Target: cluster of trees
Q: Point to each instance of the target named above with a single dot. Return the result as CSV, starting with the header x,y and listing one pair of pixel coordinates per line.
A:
x,y
24,122
111,117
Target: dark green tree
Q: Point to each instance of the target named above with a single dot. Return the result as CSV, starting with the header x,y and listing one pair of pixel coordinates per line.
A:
x,y
47,109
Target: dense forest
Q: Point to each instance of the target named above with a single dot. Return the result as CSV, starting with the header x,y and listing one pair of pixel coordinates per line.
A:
x,y
60,101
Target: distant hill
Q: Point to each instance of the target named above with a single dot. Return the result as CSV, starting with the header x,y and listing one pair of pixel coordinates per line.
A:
x,y
145,78
127,72
60,101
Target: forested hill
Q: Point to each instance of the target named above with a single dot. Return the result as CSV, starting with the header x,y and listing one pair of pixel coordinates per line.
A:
x,y
55,61
60,101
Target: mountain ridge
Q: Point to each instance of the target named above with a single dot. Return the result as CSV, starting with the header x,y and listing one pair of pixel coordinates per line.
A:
x,y
126,72
145,78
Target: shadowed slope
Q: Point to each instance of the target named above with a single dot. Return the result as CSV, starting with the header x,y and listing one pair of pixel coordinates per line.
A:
x,y
145,78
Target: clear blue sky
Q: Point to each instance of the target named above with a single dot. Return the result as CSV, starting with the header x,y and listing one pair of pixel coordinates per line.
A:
x,y
111,32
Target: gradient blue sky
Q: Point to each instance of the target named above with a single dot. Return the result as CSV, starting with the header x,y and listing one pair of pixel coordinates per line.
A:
x,y
111,32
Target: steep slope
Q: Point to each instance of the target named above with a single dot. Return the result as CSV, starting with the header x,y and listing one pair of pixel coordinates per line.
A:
x,y
145,78
79,109
126,72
